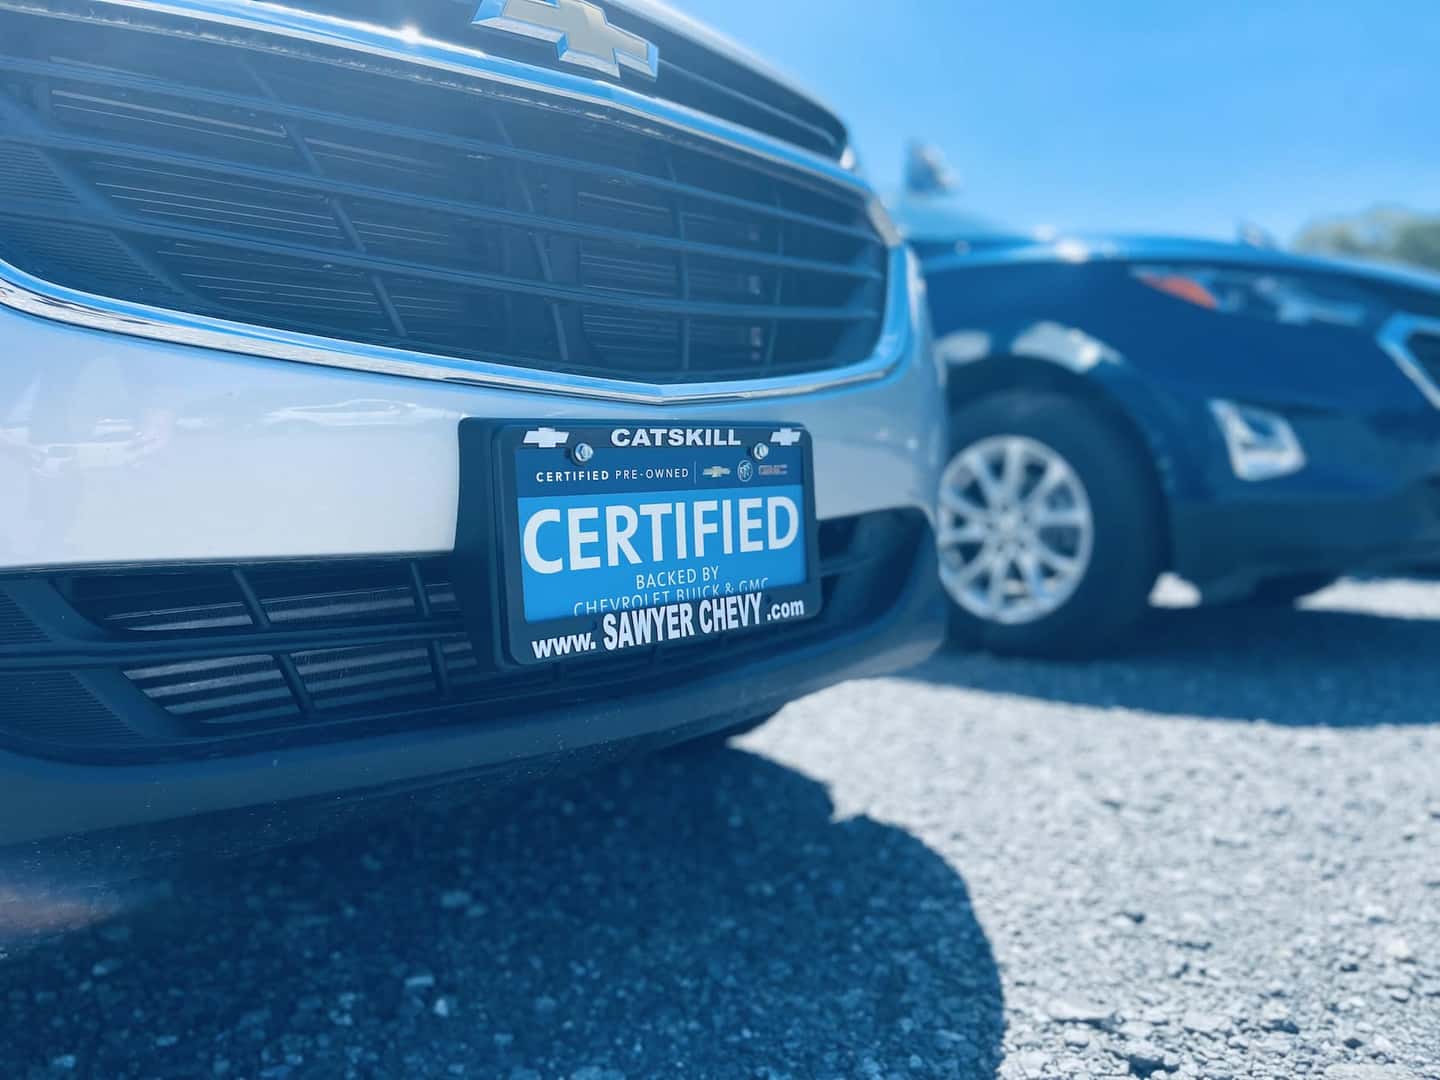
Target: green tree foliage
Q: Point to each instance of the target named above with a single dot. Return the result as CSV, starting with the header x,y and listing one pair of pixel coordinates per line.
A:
x,y
1387,233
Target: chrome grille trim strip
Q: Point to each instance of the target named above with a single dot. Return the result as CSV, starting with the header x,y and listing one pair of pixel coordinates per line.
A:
x,y
26,293
34,296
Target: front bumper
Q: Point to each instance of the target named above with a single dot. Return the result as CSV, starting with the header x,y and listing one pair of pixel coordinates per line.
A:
x,y
41,799
1229,548
118,454
1368,499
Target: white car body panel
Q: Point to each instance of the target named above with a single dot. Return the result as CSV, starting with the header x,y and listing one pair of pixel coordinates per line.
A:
x,y
117,450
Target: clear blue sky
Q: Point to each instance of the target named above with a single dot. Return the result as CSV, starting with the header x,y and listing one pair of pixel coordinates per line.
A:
x,y
1174,115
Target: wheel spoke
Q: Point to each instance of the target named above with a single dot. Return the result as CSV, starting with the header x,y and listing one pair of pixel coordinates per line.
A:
x,y
1061,564
1055,474
1029,564
1052,517
990,487
1013,471
967,574
956,502
999,576
962,534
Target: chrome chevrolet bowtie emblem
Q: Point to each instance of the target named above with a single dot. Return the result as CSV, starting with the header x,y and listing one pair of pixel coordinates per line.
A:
x,y
581,33
546,438
786,437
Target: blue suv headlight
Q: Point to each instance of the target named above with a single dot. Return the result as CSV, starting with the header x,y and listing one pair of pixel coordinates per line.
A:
x,y
1262,294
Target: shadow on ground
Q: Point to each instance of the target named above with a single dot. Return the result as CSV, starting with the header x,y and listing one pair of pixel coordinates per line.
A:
x,y
1288,666
695,915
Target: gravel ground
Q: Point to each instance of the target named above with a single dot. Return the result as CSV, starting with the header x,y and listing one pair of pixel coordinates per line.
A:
x,y
1219,856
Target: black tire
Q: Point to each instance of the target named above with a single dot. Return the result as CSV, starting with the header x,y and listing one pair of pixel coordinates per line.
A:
x,y
1128,549
1279,592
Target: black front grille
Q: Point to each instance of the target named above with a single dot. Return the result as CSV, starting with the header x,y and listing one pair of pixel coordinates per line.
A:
x,y
211,660
303,188
691,73
1424,346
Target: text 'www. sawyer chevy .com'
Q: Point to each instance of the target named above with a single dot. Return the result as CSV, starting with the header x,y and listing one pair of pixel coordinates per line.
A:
x,y
636,628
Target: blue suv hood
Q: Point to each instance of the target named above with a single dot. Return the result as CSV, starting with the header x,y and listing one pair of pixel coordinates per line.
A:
x,y
945,239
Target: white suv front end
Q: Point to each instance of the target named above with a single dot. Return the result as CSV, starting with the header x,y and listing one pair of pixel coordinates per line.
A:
x,y
260,267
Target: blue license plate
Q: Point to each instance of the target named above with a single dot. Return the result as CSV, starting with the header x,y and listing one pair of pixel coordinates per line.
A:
x,y
618,537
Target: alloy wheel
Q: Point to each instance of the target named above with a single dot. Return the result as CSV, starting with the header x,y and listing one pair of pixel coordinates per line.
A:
x,y
1016,529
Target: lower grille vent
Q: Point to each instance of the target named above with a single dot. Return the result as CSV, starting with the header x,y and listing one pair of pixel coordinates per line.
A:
x,y
54,707
15,628
214,660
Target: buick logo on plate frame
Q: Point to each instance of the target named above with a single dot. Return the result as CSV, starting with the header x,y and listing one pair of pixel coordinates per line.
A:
x,y
580,31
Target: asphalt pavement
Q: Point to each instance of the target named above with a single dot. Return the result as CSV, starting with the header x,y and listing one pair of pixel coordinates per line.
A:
x,y
1216,856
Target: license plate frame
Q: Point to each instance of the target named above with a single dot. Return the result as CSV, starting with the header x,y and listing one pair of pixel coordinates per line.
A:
x,y
521,610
